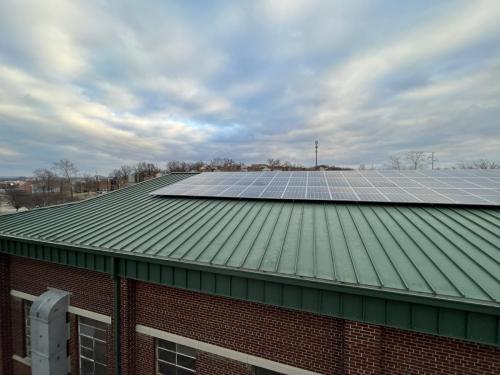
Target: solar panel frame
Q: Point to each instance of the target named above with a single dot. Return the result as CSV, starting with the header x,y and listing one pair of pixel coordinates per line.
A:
x,y
421,187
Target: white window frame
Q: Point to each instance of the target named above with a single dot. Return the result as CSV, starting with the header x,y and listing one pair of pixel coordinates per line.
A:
x,y
94,340
176,352
27,327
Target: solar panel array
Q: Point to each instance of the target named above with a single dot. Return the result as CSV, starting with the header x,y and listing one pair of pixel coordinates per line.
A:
x,y
476,187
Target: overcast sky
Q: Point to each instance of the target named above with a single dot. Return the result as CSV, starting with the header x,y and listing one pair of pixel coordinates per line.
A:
x,y
105,83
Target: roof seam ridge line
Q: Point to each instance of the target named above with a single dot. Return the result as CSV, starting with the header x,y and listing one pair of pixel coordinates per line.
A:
x,y
177,209
421,298
299,240
271,233
468,219
462,294
108,199
365,248
458,247
138,225
348,247
383,249
467,255
453,261
464,237
237,211
282,247
243,235
232,232
490,215
250,246
115,225
330,244
427,282
198,225
76,212
184,216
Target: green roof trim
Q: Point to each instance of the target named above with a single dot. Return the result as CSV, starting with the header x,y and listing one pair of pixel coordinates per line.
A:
x,y
419,268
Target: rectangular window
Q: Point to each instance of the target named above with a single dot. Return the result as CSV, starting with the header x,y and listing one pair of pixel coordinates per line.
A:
x,y
92,347
27,327
174,359
263,371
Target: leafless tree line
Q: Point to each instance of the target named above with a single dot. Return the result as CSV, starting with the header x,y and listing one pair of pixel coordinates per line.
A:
x,y
421,160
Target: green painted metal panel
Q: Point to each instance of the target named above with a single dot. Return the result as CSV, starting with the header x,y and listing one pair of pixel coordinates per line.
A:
x,y
193,279
239,287
180,277
131,269
425,318
453,323
143,270
223,285
374,310
273,293
208,282
256,290
352,307
399,314
482,327
292,296
155,273
311,299
331,303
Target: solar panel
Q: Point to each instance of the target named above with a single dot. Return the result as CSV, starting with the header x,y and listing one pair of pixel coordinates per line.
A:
x,y
474,187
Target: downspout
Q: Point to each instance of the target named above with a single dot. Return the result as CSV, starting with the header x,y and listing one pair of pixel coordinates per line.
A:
x,y
115,273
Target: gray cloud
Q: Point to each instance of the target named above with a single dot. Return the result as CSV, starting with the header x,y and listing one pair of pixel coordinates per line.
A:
x,y
111,82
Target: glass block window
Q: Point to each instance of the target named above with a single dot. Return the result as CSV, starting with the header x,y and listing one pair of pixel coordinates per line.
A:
x,y
27,327
92,347
174,359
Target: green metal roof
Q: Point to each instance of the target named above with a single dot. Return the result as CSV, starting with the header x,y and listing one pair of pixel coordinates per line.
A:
x,y
449,253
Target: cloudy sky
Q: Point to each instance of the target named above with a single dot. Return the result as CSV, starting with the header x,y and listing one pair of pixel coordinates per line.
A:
x,y
110,82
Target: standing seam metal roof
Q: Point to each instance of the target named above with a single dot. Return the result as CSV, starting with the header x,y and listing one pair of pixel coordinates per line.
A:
x,y
448,252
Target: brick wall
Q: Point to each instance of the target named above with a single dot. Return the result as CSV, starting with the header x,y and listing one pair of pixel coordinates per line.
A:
x,y
207,363
318,343
416,353
5,317
89,290
295,338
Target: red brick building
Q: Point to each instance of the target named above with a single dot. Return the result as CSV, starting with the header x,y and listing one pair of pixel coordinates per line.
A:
x,y
211,286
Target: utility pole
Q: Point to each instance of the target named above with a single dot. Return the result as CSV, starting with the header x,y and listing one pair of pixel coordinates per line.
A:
x,y
432,160
316,147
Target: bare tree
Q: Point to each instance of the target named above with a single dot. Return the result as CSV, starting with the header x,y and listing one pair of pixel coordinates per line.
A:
x,y
395,162
15,197
177,166
144,171
273,163
416,159
225,164
67,171
46,180
122,174
486,164
478,164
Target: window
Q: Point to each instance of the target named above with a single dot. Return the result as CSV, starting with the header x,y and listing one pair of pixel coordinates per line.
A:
x,y
263,371
27,328
175,359
92,342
